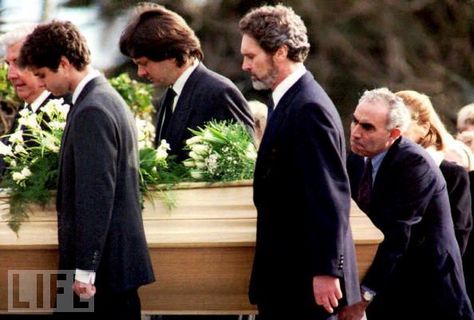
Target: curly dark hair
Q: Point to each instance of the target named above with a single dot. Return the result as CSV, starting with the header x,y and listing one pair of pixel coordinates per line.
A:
x,y
45,46
275,26
158,34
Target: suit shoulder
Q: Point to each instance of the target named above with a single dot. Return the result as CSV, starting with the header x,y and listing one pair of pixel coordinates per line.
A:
x,y
102,94
209,78
453,171
307,97
307,91
410,157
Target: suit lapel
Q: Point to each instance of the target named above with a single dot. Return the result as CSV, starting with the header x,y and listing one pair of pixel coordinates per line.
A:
x,y
380,178
159,121
279,115
85,91
72,111
183,108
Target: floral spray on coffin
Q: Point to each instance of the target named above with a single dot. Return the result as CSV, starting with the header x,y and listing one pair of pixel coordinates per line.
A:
x,y
220,151
31,156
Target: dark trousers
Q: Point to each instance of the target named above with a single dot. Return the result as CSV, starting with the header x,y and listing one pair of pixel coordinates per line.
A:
x,y
285,312
199,317
117,306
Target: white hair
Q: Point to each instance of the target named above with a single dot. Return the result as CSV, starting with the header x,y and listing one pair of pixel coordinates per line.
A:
x,y
465,116
398,114
16,35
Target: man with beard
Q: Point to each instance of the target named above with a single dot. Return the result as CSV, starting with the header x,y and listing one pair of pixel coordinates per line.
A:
x,y
304,265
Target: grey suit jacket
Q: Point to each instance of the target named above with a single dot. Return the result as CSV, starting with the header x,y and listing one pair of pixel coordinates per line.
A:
x,y
100,226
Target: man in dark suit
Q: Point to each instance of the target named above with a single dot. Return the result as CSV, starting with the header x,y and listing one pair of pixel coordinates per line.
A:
x,y
100,228
168,53
417,270
304,265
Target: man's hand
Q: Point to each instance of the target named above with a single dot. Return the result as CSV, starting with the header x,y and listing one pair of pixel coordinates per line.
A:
x,y
83,290
327,292
355,311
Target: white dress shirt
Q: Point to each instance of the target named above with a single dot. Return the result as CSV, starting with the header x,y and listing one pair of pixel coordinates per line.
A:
x,y
287,83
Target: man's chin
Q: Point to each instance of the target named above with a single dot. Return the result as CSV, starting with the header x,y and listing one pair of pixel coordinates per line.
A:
x,y
358,151
22,95
259,85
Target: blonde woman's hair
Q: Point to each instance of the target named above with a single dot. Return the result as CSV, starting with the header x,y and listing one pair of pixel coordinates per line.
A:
x,y
423,112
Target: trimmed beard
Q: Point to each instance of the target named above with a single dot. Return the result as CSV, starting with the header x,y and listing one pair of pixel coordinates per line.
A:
x,y
267,81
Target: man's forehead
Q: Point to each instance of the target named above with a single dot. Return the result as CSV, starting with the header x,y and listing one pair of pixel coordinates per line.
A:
x,y
373,107
373,112
139,60
37,70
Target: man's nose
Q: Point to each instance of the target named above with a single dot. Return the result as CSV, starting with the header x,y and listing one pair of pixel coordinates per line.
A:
x,y
355,130
12,72
246,65
142,72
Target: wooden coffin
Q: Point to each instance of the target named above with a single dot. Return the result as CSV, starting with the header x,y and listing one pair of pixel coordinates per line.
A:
x,y
202,249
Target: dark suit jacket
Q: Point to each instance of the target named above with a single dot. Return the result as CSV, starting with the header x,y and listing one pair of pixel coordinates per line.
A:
x,y
468,257
417,271
100,226
301,192
205,96
459,193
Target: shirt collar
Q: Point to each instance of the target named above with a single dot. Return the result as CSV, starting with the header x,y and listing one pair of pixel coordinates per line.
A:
x,y
181,81
39,100
91,75
287,83
376,162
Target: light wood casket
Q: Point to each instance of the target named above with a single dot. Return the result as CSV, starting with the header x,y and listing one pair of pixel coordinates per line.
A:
x,y
202,249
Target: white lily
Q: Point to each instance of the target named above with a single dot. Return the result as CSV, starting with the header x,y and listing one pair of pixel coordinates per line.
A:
x,y
5,150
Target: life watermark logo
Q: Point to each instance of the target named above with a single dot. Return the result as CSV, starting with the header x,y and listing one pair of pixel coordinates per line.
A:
x,y
44,291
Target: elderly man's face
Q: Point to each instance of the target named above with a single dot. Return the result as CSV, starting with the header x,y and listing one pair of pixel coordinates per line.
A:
x,y
369,135
26,85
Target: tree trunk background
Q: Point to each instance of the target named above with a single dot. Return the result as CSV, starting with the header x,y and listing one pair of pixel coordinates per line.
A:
x,y
423,45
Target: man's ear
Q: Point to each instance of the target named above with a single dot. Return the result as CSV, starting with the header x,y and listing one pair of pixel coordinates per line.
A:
x,y
281,53
395,133
64,62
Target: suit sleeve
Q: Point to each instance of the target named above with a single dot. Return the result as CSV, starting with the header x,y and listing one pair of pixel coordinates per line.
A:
x,y
412,183
460,201
95,156
319,155
236,105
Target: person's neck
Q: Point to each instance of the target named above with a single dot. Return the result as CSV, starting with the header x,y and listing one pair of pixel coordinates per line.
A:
x,y
76,77
33,98
284,70
183,68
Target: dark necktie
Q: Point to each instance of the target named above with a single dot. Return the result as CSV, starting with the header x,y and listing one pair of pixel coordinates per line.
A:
x,y
165,118
365,187
270,106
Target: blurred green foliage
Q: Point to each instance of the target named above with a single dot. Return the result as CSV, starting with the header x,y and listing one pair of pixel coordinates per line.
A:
x,y
9,101
137,95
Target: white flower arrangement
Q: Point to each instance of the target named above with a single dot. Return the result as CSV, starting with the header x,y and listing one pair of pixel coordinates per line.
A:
x,y
221,151
31,158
